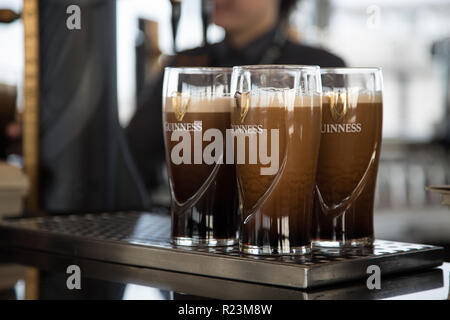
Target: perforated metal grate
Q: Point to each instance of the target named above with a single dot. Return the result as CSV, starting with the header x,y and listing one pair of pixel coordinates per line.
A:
x,y
154,229
143,239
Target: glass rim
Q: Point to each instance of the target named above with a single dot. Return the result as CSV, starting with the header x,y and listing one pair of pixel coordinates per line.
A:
x,y
352,70
200,70
277,67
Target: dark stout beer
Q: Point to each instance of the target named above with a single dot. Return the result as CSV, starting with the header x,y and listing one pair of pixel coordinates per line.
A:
x,y
204,196
347,170
277,208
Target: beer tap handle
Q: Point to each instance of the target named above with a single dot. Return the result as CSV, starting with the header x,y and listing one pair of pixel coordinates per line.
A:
x,y
176,15
7,16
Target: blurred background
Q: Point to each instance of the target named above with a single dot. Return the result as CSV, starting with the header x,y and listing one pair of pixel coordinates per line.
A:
x,y
409,39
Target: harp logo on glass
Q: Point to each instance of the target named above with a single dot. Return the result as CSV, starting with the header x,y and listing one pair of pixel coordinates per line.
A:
x,y
338,104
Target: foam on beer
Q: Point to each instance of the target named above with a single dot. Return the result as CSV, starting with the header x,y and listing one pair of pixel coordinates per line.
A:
x,y
202,104
375,97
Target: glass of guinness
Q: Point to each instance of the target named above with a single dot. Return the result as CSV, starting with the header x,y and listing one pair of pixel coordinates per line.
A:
x,y
348,159
276,135
196,115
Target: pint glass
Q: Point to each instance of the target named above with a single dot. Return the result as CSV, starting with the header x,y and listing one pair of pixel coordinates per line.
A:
x,y
276,130
196,115
348,159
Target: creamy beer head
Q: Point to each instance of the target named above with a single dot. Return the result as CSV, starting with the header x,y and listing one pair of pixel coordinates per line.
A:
x,y
198,104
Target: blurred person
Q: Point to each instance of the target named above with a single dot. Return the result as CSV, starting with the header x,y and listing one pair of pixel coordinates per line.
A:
x,y
256,33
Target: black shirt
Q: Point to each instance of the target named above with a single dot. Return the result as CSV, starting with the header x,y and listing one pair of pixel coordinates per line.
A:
x,y
222,55
145,133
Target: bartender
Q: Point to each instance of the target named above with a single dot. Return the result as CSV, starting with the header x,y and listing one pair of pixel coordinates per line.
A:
x,y
256,33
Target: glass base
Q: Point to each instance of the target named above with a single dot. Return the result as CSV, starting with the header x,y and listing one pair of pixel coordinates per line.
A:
x,y
360,245
202,242
274,251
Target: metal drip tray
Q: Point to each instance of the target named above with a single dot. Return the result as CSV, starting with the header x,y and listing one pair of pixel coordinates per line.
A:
x,y
142,240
